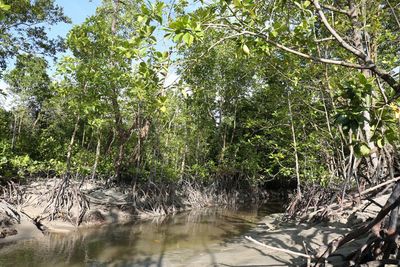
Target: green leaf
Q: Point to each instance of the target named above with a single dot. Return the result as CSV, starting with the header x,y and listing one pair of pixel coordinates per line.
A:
x,y
237,3
306,4
274,33
363,80
362,150
297,4
246,49
188,38
178,37
379,142
4,6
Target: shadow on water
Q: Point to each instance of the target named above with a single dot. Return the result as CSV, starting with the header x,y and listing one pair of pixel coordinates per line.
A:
x,y
142,243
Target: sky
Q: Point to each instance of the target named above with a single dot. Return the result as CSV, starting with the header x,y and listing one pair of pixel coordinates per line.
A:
x,y
78,11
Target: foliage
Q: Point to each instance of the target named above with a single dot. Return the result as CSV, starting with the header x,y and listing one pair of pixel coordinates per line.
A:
x,y
23,30
266,91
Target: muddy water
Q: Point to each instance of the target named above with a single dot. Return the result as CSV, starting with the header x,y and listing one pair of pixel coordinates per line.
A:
x,y
146,243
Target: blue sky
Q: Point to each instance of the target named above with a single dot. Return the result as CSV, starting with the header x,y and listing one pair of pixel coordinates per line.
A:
x,y
77,10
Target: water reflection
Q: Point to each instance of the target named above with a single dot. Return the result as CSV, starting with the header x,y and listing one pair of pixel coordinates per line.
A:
x,y
144,243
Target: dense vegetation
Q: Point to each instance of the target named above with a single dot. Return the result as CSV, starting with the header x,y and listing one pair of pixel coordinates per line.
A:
x,y
265,91
287,93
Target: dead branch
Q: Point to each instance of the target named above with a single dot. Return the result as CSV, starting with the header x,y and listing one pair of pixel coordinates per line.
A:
x,y
308,257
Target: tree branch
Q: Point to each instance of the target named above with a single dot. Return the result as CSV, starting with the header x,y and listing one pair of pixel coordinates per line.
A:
x,y
311,57
334,9
381,73
341,41
394,13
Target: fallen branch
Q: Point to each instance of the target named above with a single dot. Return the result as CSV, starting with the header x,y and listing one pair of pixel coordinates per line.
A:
x,y
308,257
380,185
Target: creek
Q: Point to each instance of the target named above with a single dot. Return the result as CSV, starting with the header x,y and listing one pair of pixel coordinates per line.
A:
x,y
156,242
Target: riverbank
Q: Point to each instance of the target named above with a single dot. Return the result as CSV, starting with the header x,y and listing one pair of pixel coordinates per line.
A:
x,y
230,249
275,232
31,213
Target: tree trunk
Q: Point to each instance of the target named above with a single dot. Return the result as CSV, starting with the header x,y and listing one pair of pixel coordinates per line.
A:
x,y
14,133
96,161
70,147
358,43
296,157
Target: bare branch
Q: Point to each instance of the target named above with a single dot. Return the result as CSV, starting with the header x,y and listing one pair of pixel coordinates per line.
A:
x,y
311,57
278,249
341,41
394,13
223,39
325,39
334,9
361,55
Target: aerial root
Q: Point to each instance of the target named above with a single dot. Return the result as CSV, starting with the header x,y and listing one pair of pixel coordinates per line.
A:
x,y
380,248
63,198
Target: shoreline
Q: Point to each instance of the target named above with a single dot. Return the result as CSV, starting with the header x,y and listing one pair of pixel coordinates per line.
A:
x,y
117,205
269,230
293,236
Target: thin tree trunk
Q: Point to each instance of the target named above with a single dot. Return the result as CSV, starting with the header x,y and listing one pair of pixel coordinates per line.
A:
x,y
14,134
19,126
70,146
184,161
108,151
96,161
37,119
222,155
357,40
296,157
83,135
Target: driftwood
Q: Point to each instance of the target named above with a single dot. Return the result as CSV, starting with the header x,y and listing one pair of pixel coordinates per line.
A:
x,y
308,257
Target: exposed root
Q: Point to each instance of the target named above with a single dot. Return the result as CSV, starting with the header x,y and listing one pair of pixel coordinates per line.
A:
x,y
319,204
381,247
10,211
64,200
13,193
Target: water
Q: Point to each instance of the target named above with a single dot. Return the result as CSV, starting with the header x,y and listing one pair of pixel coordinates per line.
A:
x,y
144,243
